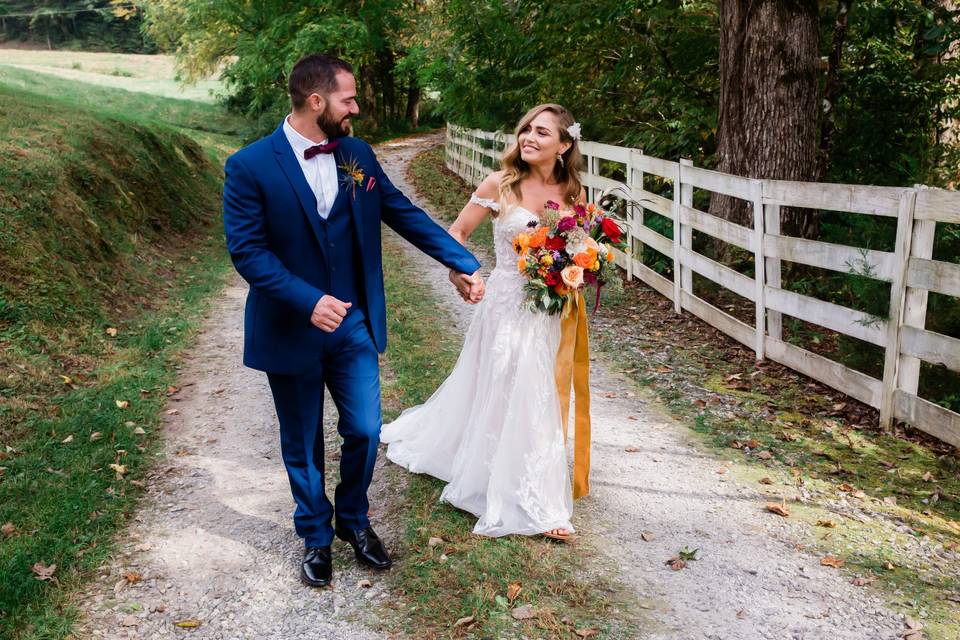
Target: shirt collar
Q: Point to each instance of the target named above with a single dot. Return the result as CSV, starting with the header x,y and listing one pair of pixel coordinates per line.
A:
x,y
296,140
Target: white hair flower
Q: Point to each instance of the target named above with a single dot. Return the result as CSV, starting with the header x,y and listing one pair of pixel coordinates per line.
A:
x,y
574,130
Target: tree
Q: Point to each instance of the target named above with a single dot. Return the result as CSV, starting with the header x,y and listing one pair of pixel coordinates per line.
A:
x,y
767,121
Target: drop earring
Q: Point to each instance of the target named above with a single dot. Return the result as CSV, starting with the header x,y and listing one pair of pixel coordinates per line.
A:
x,y
560,159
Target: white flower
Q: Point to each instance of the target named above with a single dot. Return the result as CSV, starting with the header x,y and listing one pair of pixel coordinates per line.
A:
x,y
576,241
574,130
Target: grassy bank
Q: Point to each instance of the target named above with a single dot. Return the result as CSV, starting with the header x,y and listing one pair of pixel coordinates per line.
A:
x,y
893,500
467,576
109,245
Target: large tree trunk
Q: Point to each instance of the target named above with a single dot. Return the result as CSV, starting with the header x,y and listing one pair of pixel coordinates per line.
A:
x,y
413,104
769,63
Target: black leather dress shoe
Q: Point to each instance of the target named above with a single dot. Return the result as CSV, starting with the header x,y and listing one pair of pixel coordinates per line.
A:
x,y
367,546
317,567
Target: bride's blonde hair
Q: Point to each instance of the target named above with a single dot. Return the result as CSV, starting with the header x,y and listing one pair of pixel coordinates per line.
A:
x,y
568,172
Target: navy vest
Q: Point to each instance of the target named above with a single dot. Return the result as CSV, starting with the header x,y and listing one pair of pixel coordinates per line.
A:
x,y
343,272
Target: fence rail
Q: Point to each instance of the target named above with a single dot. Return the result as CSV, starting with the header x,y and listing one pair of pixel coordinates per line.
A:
x,y
909,268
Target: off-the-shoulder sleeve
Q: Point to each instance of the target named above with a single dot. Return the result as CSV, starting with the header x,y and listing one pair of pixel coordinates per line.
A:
x,y
485,202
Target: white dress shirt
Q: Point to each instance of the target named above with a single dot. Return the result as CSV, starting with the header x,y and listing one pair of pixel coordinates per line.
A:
x,y
320,170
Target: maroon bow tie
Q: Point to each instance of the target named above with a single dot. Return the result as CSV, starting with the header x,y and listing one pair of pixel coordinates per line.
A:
x,y
320,148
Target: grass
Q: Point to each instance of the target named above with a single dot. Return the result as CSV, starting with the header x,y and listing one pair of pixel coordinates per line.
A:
x,y
109,245
152,74
815,443
208,124
469,576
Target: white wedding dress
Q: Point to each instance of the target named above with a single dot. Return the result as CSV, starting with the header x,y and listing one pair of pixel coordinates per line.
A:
x,y
492,430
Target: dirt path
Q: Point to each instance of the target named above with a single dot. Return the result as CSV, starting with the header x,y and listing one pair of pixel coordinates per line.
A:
x,y
214,540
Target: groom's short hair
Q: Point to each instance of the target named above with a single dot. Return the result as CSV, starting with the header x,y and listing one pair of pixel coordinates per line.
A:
x,y
315,73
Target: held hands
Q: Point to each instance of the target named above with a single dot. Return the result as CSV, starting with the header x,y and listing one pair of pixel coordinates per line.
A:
x,y
470,287
329,313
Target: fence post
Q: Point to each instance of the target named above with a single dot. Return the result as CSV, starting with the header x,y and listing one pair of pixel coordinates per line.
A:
x,y
756,194
682,236
771,226
891,358
634,213
915,303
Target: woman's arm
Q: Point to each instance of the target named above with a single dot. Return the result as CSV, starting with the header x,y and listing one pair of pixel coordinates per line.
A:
x,y
473,214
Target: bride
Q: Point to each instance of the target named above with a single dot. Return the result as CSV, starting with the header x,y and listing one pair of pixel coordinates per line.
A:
x,y
493,429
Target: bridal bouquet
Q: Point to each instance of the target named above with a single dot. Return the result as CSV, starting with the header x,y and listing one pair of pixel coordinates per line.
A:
x,y
568,250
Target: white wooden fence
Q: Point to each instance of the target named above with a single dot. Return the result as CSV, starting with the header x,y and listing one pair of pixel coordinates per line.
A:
x,y
472,154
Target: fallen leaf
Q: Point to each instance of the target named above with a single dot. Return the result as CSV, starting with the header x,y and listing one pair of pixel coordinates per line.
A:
x,y
66,379
525,612
132,577
676,563
7,529
513,590
751,444
829,524
172,412
586,633
172,390
67,440
648,536
364,584
111,331
139,431
927,477
700,403
146,546
766,480
913,625
131,621
96,435
764,455
859,495
632,449
42,571
736,444
189,623
122,404
890,500
862,582
463,621
779,509
119,468
846,488
831,561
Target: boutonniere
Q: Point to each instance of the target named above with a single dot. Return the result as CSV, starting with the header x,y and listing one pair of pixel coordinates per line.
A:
x,y
353,175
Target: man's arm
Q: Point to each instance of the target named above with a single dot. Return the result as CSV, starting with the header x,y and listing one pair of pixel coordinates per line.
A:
x,y
414,225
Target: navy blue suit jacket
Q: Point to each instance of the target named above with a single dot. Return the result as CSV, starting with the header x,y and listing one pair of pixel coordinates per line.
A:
x,y
272,226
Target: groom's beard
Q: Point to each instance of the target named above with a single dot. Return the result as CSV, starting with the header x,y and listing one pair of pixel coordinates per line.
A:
x,y
332,127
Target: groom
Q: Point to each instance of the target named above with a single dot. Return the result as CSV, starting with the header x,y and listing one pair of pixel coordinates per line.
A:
x,y
302,210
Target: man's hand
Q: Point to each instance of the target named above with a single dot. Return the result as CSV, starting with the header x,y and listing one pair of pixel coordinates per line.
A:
x,y
329,313
470,287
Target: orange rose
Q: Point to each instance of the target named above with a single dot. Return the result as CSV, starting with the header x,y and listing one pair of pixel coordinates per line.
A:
x,y
584,260
522,264
572,276
610,256
539,237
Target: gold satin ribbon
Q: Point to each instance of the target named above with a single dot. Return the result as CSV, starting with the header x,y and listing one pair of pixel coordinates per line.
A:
x,y
573,366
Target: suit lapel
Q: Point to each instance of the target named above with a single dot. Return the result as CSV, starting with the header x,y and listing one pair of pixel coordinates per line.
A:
x,y
291,168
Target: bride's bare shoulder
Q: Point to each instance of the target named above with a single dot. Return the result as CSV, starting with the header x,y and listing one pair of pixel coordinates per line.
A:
x,y
490,187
